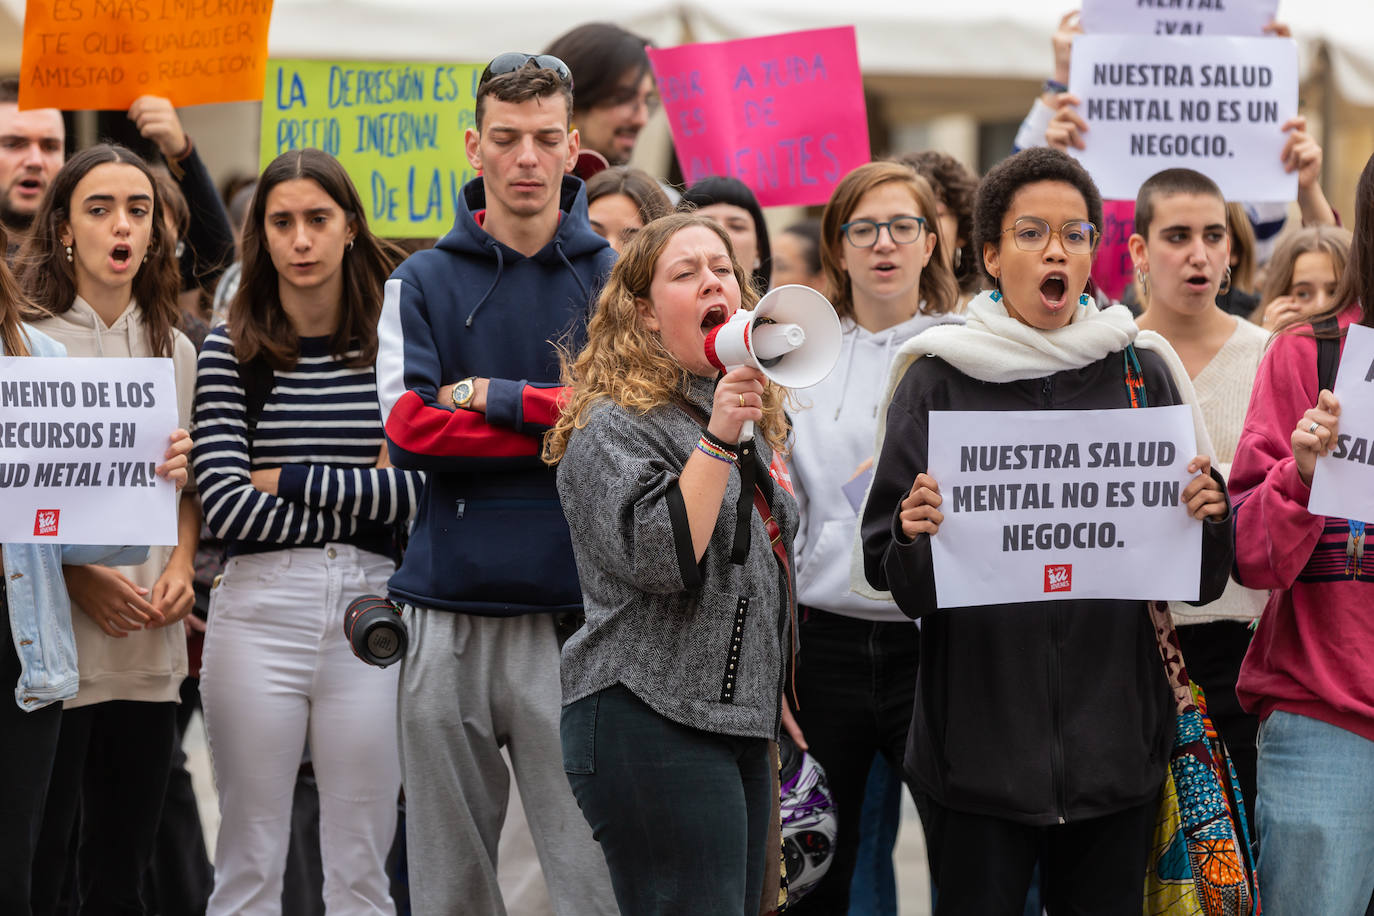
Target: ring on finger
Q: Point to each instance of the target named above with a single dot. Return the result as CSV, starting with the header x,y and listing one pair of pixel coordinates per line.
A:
x,y
741,399
1314,427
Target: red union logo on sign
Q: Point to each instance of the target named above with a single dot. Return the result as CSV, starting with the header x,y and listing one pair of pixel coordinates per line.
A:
x,y
45,522
1059,578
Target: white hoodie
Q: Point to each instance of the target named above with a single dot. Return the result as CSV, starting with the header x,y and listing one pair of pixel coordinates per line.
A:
x,y
833,432
146,665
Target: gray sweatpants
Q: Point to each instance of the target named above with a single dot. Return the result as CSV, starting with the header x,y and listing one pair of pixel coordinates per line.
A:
x,y
470,686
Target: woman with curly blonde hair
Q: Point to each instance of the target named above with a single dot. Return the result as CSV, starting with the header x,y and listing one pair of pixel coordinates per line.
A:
x,y
671,688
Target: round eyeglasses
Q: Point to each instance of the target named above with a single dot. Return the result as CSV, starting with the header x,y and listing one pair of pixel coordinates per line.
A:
x,y
511,61
1031,233
863,233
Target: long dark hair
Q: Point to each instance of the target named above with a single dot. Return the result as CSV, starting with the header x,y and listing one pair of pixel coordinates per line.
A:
x,y
257,322
1357,280
11,302
49,279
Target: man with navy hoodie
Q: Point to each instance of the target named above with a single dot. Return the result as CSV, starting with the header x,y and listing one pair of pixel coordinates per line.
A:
x,y
467,375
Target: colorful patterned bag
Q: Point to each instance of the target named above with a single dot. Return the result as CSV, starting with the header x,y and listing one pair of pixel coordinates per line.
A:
x,y
1200,861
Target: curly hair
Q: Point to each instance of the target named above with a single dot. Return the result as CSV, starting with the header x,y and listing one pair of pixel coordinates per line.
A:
x,y
937,288
954,186
626,363
1000,184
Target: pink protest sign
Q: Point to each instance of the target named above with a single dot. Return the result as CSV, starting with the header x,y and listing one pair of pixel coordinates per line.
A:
x,y
784,113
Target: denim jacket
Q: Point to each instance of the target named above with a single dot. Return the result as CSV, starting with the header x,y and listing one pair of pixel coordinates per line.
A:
x,y
40,612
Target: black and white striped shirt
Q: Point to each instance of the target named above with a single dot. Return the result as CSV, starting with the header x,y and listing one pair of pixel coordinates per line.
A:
x,y
322,427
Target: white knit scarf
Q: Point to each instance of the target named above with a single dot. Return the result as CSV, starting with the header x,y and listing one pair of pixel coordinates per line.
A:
x,y
993,346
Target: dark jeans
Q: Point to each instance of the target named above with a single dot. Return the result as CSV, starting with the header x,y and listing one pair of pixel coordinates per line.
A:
x,y
1213,653
28,744
873,889
180,878
108,782
1094,867
681,814
856,686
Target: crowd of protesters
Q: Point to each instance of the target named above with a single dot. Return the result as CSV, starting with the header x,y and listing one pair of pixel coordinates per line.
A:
x,y
520,436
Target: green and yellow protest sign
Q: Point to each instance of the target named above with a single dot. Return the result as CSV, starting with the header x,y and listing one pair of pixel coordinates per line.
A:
x,y
397,127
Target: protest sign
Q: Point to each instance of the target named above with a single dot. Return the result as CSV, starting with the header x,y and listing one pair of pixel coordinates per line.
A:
x,y
784,114
1178,17
1044,505
1343,483
396,127
104,54
79,441
1211,104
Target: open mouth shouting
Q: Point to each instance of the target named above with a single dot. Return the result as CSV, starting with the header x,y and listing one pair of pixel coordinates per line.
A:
x,y
1198,283
715,316
1054,290
121,256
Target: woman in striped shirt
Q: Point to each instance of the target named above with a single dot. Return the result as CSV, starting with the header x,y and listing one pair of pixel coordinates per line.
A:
x,y
293,475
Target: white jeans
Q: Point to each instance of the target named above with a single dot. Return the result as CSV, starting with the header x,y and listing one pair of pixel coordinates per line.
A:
x,y
277,669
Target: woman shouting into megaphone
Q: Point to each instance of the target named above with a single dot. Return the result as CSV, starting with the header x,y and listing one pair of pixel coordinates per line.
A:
x,y
671,688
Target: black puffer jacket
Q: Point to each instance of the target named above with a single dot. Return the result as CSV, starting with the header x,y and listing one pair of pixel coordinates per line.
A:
x,y
1042,712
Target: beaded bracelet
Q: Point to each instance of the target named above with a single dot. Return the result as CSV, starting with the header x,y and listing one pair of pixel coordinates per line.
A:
x,y
718,442
715,451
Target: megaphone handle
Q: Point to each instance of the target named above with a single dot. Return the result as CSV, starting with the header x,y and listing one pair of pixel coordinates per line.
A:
x,y
747,430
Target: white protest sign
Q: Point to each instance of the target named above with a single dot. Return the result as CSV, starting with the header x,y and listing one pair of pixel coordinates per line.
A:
x,y
1343,483
1210,104
1043,505
1178,17
79,439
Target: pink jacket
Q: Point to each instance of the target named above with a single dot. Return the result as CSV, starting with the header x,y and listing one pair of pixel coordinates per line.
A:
x,y
1313,653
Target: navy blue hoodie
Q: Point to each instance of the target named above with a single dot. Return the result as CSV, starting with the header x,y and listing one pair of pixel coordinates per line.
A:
x,y
490,537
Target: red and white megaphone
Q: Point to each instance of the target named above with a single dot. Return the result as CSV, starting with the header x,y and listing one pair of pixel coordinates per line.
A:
x,y
792,336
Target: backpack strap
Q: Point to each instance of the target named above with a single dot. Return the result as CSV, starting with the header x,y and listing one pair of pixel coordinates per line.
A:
x,y
257,380
1327,332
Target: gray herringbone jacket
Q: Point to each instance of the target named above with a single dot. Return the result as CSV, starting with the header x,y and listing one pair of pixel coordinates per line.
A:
x,y
658,622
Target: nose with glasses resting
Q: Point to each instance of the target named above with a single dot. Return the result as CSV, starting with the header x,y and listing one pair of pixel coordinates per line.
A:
x,y
1031,233
903,230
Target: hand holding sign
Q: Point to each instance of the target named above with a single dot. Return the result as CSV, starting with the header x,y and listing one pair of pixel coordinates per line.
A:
x,y
1317,433
920,510
1203,497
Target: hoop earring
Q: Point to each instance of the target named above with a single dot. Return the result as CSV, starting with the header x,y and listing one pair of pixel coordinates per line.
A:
x,y
69,254
1143,279
350,244
1226,283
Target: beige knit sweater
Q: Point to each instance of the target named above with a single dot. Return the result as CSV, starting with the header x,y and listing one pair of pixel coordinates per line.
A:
x,y
1223,391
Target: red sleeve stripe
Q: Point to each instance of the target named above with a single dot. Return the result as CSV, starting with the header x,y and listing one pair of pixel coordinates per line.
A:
x,y
424,430
542,406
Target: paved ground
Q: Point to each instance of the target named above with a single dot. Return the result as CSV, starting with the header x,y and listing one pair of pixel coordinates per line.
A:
x,y
913,884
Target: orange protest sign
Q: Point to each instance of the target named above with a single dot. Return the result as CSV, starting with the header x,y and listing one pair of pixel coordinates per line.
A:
x,y
103,54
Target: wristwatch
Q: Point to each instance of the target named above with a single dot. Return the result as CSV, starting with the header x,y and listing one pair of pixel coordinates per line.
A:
x,y
463,392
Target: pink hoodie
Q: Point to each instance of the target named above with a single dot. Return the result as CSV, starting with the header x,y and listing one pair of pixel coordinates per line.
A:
x,y
1313,653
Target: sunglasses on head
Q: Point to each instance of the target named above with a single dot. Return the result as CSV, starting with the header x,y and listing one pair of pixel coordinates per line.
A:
x,y
514,60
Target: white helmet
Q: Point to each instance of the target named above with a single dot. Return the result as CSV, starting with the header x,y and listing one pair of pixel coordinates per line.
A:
x,y
809,824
